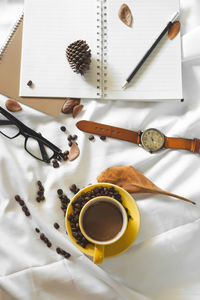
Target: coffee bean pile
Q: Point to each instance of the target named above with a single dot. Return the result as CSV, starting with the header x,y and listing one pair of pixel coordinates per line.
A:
x,y
23,205
80,202
40,192
71,138
74,189
64,200
63,253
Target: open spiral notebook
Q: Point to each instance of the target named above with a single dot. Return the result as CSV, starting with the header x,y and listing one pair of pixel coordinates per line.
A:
x,y
50,26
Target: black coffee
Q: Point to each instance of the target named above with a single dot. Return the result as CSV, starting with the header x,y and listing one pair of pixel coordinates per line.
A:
x,y
102,221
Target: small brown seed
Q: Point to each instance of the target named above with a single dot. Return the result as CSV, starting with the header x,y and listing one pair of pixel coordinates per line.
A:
x,y
29,83
174,30
13,105
76,110
74,152
125,14
69,105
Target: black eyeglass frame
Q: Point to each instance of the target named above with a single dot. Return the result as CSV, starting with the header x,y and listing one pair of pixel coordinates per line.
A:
x,y
28,132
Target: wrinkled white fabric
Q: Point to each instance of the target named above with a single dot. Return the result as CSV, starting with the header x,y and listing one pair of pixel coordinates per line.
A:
x,y
164,261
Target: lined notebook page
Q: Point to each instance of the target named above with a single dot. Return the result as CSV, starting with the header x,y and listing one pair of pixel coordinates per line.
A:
x,y
49,27
160,77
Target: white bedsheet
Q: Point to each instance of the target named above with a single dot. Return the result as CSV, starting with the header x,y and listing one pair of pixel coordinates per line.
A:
x,y
164,262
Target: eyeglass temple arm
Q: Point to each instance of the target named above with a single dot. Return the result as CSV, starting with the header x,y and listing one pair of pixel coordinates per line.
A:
x,y
43,152
29,130
6,122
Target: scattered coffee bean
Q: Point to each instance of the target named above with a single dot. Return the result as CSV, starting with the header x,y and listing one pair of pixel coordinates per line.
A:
x,y
21,202
69,137
74,137
55,164
49,244
58,250
56,225
23,205
40,193
103,138
65,157
45,240
59,191
37,230
80,202
29,83
63,128
42,236
17,198
27,213
74,189
63,253
91,138
64,200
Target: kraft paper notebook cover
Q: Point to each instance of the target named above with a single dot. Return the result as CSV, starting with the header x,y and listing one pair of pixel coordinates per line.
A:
x,y
10,58
50,26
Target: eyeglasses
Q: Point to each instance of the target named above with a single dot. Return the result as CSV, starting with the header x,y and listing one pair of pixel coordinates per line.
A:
x,y
36,145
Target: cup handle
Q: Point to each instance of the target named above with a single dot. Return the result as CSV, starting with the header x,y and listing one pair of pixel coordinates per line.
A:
x,y
98,254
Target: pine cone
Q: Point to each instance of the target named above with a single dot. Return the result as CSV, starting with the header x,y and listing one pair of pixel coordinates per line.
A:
x,y
79,56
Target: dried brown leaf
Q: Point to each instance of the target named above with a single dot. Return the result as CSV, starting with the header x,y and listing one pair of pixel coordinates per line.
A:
x,y
74,152
125,14
69,105
174,30
76,110
133,181
13,105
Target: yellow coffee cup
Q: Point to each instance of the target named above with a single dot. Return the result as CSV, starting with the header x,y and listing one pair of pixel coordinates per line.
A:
x,y
110,215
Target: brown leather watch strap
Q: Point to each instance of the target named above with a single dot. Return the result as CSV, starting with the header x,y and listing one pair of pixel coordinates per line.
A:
x,y
107,130
181,143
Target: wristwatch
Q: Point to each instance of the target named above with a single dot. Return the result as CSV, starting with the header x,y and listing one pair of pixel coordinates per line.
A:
x,y
150,139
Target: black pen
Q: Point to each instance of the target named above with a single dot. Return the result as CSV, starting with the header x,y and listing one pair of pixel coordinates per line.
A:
x,y
139,65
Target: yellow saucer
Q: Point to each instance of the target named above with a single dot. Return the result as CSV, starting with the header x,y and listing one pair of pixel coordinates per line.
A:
x,y
132,229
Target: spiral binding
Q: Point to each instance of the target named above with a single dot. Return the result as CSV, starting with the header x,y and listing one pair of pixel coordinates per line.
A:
x,y
101,48
98,50
10,37
104,47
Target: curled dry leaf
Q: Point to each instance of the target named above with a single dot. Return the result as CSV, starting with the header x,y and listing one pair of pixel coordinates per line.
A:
x,y
174,30
69,105
125,14
13,105
76,110
133,181
74,152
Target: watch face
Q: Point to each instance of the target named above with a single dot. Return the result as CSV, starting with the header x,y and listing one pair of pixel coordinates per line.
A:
x,y
152,140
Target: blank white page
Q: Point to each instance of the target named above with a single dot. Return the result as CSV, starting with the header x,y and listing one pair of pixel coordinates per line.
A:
x,y
160,77
49,27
